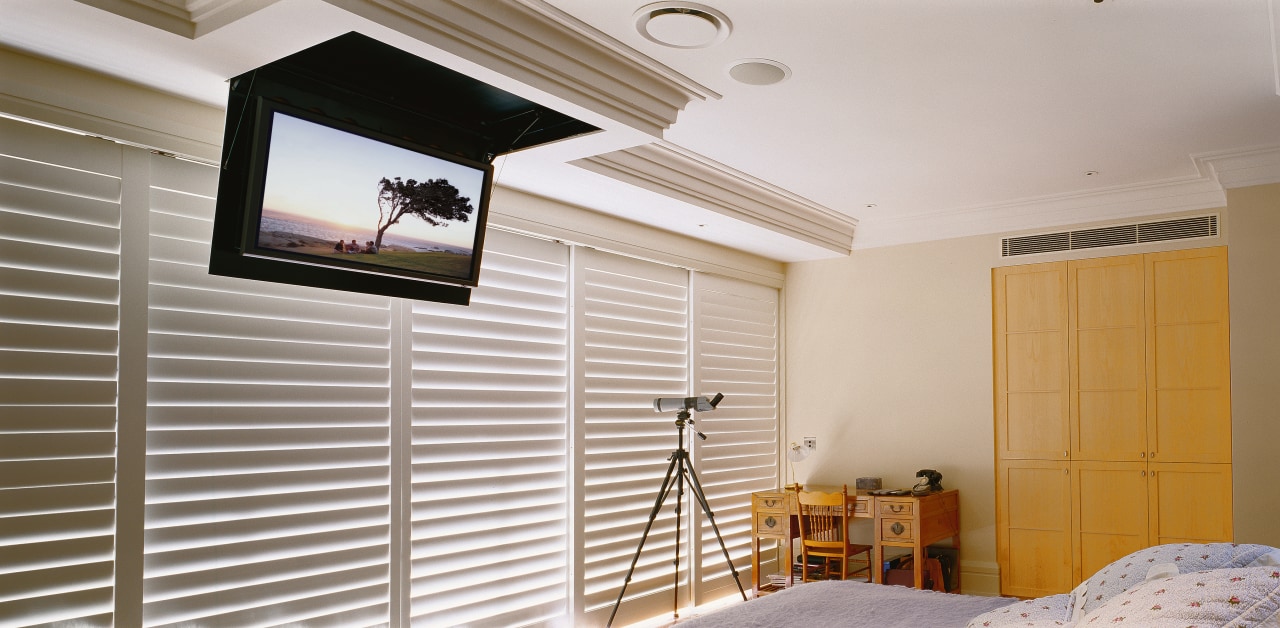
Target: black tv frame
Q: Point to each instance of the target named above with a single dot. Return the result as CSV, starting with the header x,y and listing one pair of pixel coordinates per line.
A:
x,y
356,83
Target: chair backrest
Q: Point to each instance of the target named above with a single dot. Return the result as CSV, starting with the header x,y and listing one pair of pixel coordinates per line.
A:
x,y
823,517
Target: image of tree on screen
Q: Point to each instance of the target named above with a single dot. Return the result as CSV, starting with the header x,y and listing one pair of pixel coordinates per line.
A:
x,y
435,201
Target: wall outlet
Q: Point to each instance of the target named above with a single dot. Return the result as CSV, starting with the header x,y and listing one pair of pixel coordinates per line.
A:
x,y
810,442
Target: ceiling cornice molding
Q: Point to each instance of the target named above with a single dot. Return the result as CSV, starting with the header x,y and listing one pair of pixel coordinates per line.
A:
x,y
1048,213
73,98
532,214
1218,172
1045,212
1242,168
188,18
531,42
669,170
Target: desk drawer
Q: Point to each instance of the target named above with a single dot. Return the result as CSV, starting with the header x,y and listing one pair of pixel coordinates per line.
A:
x,y
862,507
897,530
905,508
776,502
771,524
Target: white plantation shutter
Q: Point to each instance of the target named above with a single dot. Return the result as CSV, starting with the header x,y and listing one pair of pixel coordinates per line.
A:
x,y
490,449
635,348
59,322
268,421
735,353
325,458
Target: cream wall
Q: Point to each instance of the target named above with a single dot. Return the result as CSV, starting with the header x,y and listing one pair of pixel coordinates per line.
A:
x,y
1254,267
889,365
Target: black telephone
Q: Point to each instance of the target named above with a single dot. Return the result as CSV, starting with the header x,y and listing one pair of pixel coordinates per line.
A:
x,y
927,481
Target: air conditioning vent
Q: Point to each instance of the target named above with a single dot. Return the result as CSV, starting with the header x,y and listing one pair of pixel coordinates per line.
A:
x,y
1199,227
1042,243
1114,235
1104,236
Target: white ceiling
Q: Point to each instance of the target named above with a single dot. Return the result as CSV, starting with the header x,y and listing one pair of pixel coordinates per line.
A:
x,y
920,120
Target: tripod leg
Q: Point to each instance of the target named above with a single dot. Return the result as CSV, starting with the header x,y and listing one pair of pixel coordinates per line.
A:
x,y
653,514
706,509
678,461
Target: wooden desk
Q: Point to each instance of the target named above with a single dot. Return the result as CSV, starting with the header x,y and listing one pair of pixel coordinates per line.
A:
x,y
915,523
900,521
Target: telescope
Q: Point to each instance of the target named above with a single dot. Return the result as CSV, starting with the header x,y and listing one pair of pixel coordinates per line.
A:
x,y
681,404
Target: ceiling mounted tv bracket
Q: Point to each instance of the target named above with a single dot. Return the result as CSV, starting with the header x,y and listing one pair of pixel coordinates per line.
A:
x,y
452,111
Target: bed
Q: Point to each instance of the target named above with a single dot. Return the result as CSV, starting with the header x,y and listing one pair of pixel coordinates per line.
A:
x,y
1184,584
851,603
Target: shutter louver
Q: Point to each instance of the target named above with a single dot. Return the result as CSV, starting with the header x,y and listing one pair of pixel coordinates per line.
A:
x,y
59,336
267,498
635,346
736,353
490,451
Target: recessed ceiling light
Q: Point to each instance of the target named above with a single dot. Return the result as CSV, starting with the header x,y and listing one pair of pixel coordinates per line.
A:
x,y
759,72
1091,173
870,205
682,24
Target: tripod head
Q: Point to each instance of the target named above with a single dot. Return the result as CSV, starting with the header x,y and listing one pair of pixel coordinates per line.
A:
x,y
682,417
682,406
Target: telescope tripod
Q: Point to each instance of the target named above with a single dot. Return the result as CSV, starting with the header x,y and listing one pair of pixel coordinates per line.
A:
x,y
678,472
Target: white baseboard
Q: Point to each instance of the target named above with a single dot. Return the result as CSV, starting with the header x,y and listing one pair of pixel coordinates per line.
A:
x,y
979,578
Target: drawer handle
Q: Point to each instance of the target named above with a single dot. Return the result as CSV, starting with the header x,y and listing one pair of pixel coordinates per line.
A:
x,y
897,508
770,521
771,503
897,528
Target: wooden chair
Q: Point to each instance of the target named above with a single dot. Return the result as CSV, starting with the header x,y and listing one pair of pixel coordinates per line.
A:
x,y
824,533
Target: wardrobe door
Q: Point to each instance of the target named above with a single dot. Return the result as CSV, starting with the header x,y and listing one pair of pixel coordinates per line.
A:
x,y
1190,502
1033,527
1031,379
1188,357
1109,513
1107,359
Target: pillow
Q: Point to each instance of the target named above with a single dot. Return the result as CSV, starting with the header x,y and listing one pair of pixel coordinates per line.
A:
x,y
1233,596
1161,570
1132,570
1053,610
1270,559
1077,600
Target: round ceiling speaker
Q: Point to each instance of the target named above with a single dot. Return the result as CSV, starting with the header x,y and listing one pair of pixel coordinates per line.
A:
x,y
682,24
759,72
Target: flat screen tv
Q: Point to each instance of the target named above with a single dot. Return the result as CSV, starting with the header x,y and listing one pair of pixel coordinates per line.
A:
x,y
356,166
331,198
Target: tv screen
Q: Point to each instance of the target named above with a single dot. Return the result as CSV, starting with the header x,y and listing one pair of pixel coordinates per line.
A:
x,y
340,197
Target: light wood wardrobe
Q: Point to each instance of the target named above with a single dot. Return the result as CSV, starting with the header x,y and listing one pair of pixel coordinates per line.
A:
x,y
1112,412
